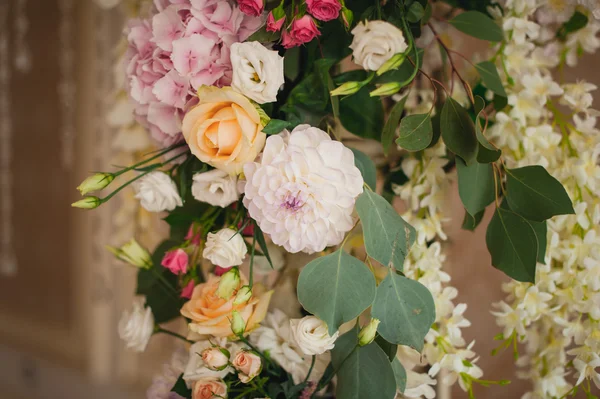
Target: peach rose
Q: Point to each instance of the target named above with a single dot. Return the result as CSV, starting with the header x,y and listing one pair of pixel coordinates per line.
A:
x,y
209,389
224,129
248,364
211,315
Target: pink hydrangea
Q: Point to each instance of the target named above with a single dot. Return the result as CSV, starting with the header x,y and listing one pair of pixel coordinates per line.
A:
x,y
183,46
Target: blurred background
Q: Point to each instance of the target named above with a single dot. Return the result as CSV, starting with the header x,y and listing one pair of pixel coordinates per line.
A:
x,y
61,293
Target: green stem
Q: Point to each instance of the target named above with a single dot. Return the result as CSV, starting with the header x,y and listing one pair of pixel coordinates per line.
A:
x,y
251,278
312,365
145,161
159,329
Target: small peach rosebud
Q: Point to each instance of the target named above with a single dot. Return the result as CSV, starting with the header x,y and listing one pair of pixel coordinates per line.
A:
x,y
87,203
248,364
367,334
96,182
216,358
230,281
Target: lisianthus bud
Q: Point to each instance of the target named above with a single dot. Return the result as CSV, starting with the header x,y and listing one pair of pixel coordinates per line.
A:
x,y
238,325
243,295
367,334
386,89
230,281
346,89
96,182
392,63
216,358
133,253
264,118
87,203
347,17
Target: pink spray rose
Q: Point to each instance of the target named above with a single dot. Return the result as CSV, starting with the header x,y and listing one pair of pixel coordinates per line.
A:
x,y
287,40
188,290
176,261
219,271
274,25
193,235
324,10
251,7
304,30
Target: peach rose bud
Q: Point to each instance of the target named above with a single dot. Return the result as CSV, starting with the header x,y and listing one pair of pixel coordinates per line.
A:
x,y
209,388
216,358
248,364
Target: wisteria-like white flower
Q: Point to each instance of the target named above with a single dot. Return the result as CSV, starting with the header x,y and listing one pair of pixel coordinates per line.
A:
x,y
157,192
137,327
303,190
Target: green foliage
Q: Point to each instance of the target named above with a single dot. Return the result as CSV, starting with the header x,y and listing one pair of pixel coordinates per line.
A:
x,y
491,79
533,193
416,132
475,185
160,287
406,310
366,167
387,236
513,245
399,374
471,222
458,131
415,12
388,348
181,388
275,126
576,22
479,25
362,114
260,239
389,130
404,71
541,233
336,288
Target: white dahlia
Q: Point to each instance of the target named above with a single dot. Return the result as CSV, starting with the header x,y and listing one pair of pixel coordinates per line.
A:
x,y
302,192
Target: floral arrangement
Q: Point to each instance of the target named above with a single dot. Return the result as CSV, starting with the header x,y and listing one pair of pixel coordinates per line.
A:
x,y
253,105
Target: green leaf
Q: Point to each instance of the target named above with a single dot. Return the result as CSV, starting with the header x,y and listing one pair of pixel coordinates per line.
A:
x,y
416,132
389,349
366,167
181,388
389,130
458,131
415,12
323,66
534,194
362,114
491,79
513,245
399,374
336,288
471,222
263,36
541,233
160,286
486,152
363,371
475,185
478,25
260,239
404,71
387,236
275,126
406,310
578,21
291,63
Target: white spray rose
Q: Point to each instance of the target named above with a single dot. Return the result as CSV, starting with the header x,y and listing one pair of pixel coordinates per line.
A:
x,y
137,327
225,248
157,192
215,187
311,335
375,42
257,71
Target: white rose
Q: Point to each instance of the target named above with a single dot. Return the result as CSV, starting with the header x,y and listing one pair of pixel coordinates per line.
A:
x,y
257,71
225,248
137,327
157,192
216,187
375,42
311,335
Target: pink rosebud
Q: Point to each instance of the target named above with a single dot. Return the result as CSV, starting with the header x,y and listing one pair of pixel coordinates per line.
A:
x,y
248,230
304,30
251,7
324,10
193,236
176,261
219,271
274,25
188,290
287,40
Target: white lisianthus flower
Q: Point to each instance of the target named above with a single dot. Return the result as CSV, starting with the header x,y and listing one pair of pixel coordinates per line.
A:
x,y
311,335
157,192
257,71
216,187
225,248
302,193
375,42
137,327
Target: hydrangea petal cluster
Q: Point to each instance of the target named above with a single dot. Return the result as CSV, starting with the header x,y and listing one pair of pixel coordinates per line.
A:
x,y
183,46
303,190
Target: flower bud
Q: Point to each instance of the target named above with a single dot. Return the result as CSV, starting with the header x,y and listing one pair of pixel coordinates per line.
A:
x,y
276,19
347,17
367,334
230,281
386,89
243,295
96,182
133,253
248,365
238,325
346,89
392,63
216,358
264,118
87,203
